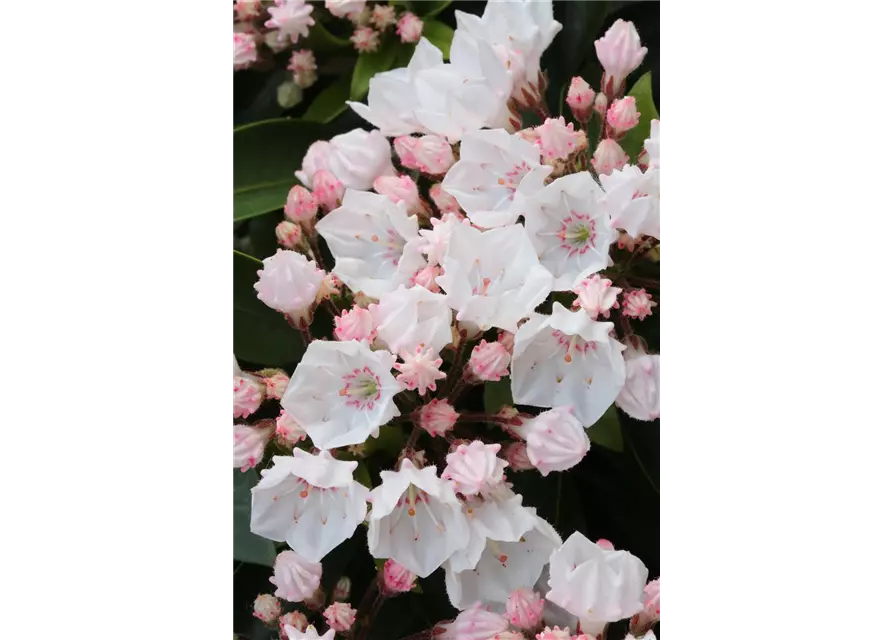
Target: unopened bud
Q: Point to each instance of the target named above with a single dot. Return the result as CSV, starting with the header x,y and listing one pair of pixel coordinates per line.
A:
x,y
288,234
327,189
300,205
622,116
340,616
267,608
276,380
524,609
608,156
396,578
410,27
580,97
341,592
294,619
601,104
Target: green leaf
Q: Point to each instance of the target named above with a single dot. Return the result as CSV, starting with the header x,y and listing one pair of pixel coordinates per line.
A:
x,y
265,157
261,336
361,475
633,140
440,35
429,8
320,40
368,64
582,25
331,101
606,432
248,547
390,440
497,394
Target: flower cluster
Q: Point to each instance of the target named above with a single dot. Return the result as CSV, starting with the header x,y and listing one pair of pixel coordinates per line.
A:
x,y
445,250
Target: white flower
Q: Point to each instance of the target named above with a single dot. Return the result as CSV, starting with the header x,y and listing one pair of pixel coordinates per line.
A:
x,y
416,519
367,234
495,175
570,229
596,296
291,18
557,139
341,392
493,278
640,396
295,577
358,157
556,440
310,633
310,501
519,33
429,96
414,317
632,199
512,559
594,583
652,145
288,283
567,359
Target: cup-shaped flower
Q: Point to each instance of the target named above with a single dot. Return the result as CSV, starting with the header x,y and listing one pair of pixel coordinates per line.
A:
x,y
493,278
596,296
632,199
475,623
288,283
310,501
640,396
408,318
416,519
567,359
295,577
341,392
556,440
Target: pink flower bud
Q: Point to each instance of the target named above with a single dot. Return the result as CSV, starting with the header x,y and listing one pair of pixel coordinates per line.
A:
x,y
607,157
554,633
276,382
430,154
640,396
426,277
474,468
409,27
248,394
580,97
303,65
328,190
444,202
637,304
295,619
356,324
475,623
397,578
341,592
300,205
601,104
249,444
524,609
420,370
296,579
330,286
288,234
437,417
595,296
557,139
247,9
640,623
605,544
620,51
316,159
382,16
288,430
516,455
366,39
288,283
244,50
340,616
489,361
556,440
622,116
399,188
266,608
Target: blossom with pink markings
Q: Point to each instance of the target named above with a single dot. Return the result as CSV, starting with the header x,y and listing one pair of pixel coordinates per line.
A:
x,y
409,27
637,304
557,139
366,39
276,381
244,50
420,370
516,455
248,394
489,361
383,16
295,578
396,578
475,623
608,156
291,18
524,609
288,283
430,154
554,633
444,202
400,188
340,616
247,9
288,430
303,65
596,296
580,97
427,277
266,608
474,468
355,324
556,440
288,234
622,116
294,619
437,417
300,205
328,190
249,444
